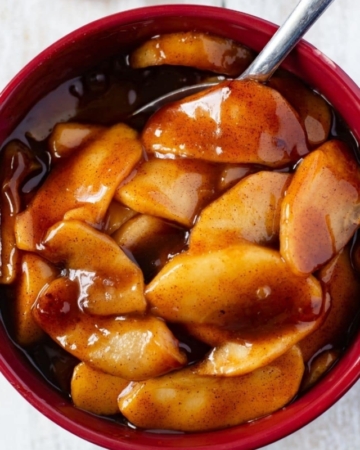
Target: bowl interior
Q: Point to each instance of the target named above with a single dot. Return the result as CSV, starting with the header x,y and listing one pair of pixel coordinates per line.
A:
x,y
70,57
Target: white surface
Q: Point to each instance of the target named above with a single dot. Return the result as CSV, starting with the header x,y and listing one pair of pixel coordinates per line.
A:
x,y
28,26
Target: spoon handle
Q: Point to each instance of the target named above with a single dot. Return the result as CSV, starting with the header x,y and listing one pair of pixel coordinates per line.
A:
x,y
285,39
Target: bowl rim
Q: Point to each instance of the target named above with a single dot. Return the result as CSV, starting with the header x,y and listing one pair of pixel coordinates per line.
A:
x,y
311,404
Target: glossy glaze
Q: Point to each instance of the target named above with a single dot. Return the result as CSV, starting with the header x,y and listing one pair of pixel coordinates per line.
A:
x,y
202,51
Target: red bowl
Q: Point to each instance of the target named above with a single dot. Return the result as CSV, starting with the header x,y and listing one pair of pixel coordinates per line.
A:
x,y
68,58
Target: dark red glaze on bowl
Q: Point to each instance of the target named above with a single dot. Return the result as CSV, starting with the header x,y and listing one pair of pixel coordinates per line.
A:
x,y
69,57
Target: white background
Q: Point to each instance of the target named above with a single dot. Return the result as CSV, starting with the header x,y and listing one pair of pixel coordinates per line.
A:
x,y
26,28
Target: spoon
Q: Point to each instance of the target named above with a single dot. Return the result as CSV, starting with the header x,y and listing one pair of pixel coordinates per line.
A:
x,y
264,65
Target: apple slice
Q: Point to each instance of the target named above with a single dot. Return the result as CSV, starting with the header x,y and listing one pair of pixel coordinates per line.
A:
x,y
237,352
96,391
321,364
242,286
234,122
110,283
186,401
339,279
232,173
314,111
66,138
193,49
250,210
321,209
81,186
35,275
116,215
175,189
127,347
17,162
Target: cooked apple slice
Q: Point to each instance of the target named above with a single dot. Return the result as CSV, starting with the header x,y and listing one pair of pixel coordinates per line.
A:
x,y
237,352
314,111
186,401
321,209
232,173
151,241
96,391
250,210
175,189
193,49
81,186
319,366
17,163
234,122
68,137
343,285
127,347
35,274
242,286
110,283
116,215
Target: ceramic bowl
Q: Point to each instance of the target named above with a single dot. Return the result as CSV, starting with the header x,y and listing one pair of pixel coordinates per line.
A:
x,y
70,57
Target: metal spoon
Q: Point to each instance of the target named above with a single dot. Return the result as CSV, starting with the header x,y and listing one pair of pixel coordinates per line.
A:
x,y
283,41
